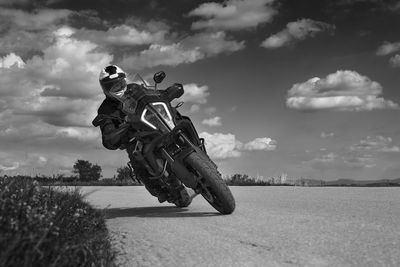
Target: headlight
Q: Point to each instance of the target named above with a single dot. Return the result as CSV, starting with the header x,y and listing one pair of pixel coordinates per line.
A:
x,y
152,120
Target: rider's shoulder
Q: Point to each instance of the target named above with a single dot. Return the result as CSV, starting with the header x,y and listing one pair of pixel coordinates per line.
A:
x,y
108,106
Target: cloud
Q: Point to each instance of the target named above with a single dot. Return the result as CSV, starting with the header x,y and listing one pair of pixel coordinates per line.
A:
x,y
221,146
194,108
210,110
37,163
262,143
14,166
211,44
189,50
27,33
39,19
194,93
395,60
358,161
67,68
388,48
11,60
157,54
327,161
332,161
233,14
327,135
357,156
375,144
343,90
51,99
215,121
121,35
295,31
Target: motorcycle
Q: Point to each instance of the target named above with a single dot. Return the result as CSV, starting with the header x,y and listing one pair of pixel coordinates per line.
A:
x,y
167,144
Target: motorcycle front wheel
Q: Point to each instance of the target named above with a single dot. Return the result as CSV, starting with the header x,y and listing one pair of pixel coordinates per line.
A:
x,y
213,187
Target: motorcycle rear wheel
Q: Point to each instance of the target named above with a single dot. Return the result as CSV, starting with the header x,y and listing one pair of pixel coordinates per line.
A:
x,y
214,188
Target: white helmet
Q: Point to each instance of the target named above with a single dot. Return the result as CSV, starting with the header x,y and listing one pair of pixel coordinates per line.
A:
x,y
113,81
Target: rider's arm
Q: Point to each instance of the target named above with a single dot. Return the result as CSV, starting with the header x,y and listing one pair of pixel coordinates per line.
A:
x,y
107,125
110,141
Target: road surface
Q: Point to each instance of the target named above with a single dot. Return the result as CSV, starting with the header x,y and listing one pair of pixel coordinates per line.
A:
x,y
271,226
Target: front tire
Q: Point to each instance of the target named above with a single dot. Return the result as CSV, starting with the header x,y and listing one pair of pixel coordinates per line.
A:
x,y
214,188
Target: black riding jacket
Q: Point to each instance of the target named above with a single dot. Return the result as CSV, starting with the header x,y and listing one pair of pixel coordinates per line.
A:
x,y
114,108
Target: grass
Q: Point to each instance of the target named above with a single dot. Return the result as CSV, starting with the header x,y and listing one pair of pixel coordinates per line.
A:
x,y
43,227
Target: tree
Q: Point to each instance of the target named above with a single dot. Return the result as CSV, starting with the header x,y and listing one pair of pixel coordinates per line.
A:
x,y
124,174
86,170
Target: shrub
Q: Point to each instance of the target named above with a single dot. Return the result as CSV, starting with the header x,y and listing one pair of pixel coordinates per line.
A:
x,y
44,227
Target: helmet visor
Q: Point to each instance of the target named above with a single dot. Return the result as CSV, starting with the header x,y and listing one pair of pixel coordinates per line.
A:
x,y
119,88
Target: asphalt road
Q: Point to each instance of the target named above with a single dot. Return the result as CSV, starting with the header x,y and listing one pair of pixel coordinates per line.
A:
x,y
271,226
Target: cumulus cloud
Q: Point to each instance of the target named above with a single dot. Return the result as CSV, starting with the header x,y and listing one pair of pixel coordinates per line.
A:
x,y
67,68
215,121
189,50
261,143
195,93
340,91
221,146
121,35
10,60
52,98
395,60
25,32
157,54
294,31
388,48
375,144
233,14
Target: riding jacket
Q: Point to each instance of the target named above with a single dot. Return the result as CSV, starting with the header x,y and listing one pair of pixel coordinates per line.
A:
x,y
113,108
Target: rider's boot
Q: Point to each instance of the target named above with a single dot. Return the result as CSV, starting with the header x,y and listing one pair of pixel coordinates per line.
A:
x,y
180,197
152,186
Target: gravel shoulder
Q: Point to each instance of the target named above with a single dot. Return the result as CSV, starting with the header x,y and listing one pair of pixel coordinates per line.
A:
x,y
271,226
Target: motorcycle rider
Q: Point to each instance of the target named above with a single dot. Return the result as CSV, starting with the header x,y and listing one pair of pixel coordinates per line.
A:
x,y
113,81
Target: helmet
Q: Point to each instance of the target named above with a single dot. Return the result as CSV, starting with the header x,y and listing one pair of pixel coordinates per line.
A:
x,y
113,81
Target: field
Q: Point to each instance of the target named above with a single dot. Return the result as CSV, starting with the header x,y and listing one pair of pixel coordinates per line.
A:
x,y
271,226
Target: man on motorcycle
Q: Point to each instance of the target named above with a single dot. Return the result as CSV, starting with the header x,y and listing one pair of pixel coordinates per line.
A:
x,y
113,81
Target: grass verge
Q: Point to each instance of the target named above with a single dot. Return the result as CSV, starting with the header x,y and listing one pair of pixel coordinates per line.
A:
x,y
43,227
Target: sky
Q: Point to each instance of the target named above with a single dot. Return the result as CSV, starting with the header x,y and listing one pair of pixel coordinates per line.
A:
x,y
306,88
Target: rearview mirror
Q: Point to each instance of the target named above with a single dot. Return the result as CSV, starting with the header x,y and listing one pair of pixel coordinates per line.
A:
x,y
159,77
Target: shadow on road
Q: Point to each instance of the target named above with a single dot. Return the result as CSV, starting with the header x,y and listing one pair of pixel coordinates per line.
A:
x,y
171,211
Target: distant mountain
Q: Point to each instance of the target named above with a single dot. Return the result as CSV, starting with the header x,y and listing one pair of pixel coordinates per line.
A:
x,y
364,182
349,182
